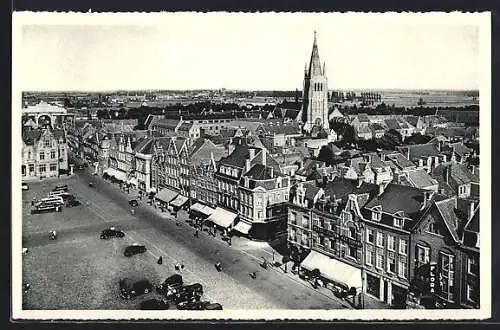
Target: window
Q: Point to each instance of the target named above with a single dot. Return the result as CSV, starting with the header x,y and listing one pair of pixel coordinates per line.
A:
x,y
398,222
352,252
433,228
321,240
47,143
447,275
380,261
53,167
391,265
376,216
390,243
41,168
472,293
402,268
52,154
369,258
332,244
29,154
380,239
23,170
369,236
31,168
423,255
259,215
403,246
472,266
42,155
352,232
305,221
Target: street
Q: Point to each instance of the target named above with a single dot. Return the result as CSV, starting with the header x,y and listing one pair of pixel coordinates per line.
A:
x,y
80,271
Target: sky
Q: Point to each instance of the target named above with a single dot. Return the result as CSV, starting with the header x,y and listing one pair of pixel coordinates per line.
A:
x,y
245,51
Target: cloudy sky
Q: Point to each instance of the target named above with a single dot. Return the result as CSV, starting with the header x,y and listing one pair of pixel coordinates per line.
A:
x,y
245,51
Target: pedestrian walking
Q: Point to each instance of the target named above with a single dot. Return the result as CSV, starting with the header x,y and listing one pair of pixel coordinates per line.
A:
x,y
160,260
33,201
26,287
196,234
177,267
182,266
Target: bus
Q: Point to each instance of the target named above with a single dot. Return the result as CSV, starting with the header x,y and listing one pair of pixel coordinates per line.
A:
x,y
53,205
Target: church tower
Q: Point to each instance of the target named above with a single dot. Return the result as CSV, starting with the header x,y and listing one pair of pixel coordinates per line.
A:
x,y
315,96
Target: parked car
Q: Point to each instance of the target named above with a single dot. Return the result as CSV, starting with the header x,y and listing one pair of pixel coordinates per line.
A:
x,y
192,305
130,289
73,202
213,306
111,232
195,288
154,304
173,282
134,249
133,203
80,167
91,184
24,186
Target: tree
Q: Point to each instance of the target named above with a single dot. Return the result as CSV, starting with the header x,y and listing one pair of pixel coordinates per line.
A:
x,y
417,138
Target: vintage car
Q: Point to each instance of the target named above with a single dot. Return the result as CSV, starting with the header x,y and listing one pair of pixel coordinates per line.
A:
x,y
130,289
111,232
213,306
134,249
154,304
192,305
171,283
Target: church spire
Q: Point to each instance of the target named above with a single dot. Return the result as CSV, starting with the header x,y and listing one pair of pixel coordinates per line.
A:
x,y
315,64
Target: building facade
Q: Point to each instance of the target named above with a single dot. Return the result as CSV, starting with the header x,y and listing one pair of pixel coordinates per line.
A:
x,y
44,153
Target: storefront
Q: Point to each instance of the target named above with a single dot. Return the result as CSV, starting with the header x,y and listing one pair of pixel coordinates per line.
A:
x,y
179,202
331,270
222,219
116,174
373,285
198,213
242,228
164,197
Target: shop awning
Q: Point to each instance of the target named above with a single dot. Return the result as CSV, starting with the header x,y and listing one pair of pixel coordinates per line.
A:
x,y
166,195
222,217
132,181
203,209
117,174
333,269
179,201
242,227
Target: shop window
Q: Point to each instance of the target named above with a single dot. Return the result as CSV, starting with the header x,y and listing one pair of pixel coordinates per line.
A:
x,y
373,285
447,275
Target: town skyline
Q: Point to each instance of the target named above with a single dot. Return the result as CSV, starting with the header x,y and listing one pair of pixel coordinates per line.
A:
x,y
376,54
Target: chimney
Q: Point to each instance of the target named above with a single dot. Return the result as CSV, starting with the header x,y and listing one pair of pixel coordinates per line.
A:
x,y
447,174
473,169
247,165
360,182
230,148
470,210
427,197
272,172
381,189
264,156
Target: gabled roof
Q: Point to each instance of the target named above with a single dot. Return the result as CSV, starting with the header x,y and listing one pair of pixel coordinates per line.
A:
x,y
31,137
399,160
203,150
418,151
238,157
460,148
309,166
261,172
421,179
396,198
363,117
185,126
453,219
145,146
392,124
168,123
341,188
473,224
336,113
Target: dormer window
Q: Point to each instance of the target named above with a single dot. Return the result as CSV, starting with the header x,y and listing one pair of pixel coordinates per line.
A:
x,y
399,222
376,215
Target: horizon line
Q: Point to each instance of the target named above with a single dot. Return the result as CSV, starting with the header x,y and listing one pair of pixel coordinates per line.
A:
x,y
249,90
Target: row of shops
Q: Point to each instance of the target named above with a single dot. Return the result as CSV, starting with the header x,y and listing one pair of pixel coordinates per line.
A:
x,y
119,176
